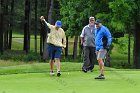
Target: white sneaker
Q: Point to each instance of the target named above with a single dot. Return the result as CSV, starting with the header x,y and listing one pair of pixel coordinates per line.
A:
x,y
52,73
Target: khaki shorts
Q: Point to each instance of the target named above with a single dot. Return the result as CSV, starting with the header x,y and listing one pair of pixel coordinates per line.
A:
x,y
101,53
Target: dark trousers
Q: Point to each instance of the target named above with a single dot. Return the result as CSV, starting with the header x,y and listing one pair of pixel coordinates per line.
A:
x,y
89,57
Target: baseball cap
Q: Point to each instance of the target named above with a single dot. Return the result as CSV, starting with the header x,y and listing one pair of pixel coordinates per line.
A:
x,y
58,23
98,21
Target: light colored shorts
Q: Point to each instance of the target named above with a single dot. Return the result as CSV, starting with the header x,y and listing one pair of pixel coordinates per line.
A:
x,y
101,53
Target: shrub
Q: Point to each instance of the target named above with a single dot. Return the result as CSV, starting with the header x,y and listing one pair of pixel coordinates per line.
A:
x,y
20,56
122,44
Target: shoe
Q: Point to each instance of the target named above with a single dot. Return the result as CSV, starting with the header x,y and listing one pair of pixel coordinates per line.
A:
x,y
100,77
51,73
84,70
58,74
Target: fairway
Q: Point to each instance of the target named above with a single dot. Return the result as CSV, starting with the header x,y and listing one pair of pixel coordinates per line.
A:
x,y
117,81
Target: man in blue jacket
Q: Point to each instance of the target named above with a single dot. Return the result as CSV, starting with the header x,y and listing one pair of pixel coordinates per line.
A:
x,y
103,40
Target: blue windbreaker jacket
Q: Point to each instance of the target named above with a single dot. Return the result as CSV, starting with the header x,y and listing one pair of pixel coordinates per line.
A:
x,y
99,33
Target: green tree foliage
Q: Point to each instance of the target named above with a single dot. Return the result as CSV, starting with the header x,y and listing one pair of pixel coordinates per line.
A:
x,y
118,15
75,14
126,16
121,13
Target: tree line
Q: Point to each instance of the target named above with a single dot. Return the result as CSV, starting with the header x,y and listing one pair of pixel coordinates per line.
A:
x,y
119,15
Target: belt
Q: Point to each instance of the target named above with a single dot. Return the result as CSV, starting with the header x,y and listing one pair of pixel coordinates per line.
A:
x,y
51,44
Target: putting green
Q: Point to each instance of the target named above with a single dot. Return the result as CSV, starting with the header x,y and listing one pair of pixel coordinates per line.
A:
x,y
71,82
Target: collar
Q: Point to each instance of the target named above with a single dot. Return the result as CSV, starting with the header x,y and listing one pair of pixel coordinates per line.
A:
x,y
99,28
89,25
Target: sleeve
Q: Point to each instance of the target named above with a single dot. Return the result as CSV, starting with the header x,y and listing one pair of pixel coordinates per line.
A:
x,y
82,34
64,40
49,25
109,37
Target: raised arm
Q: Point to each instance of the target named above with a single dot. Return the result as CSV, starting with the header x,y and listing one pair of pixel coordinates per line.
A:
x,y
43,20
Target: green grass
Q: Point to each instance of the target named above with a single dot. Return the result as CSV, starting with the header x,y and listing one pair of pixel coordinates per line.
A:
x,y
35,78
36,67
17,44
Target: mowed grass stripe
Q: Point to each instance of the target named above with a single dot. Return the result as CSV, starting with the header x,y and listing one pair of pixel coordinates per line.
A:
x,y
71,82
44,67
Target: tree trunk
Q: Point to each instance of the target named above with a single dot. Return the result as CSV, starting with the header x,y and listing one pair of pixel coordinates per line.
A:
x,y
44,5
75,47
41,31
50,12
128,47
41,38
137,45
27,26
29,22
45,52
5,24
11,24
1,27
35,33
66,49
136,56
80,47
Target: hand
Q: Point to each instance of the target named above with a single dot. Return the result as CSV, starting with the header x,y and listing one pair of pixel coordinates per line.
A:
x,y
63,48
42,18
107,48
